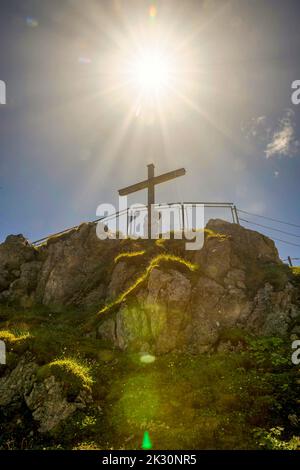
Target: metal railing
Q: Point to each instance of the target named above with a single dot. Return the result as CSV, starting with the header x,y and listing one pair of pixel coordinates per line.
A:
x,y
219,205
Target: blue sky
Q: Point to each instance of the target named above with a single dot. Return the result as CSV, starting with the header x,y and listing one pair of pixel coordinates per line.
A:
x,y
69,141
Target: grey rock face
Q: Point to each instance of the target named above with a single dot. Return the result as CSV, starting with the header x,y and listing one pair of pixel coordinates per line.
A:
x,y
46,399
241,282
121,278
232,289
160,320
15,384
68,270
48,404
18,270
272,312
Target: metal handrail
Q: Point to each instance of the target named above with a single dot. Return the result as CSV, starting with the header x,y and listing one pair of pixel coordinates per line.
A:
x,y
118,213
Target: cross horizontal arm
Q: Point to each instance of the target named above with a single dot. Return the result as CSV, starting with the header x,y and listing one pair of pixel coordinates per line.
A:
x,y
134,188
156,180
168,176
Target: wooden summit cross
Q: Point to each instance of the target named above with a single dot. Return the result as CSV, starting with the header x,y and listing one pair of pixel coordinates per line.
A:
x,y
150,185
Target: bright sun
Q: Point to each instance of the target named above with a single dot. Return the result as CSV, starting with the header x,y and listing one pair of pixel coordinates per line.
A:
x,y
150,72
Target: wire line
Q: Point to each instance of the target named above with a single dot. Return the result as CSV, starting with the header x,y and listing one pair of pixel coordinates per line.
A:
x,y
277,239
270,228
269,218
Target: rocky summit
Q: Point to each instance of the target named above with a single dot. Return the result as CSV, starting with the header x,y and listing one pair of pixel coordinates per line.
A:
x,y
79,318
236,279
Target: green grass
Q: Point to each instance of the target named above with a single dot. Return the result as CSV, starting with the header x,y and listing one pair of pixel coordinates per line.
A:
x,y
272,440
71,371
16,341
296,270
265,272
186,401
296,275
210,401
11,338
86,445
234,335
49,335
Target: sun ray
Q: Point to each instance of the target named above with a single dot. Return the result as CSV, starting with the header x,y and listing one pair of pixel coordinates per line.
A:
x,y
108,159
221,127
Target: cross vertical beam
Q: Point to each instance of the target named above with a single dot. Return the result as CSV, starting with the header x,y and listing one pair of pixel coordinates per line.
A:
x,y
151,195
149,184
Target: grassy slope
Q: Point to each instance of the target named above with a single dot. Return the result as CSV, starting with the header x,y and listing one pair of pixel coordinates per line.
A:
x,y
222,400
184,401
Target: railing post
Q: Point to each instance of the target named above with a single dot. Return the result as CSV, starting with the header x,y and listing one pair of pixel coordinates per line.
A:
x,y
232,214
183,222
236,215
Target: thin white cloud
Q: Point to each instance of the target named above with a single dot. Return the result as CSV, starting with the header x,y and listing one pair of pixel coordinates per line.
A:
x,y
257,128
276,139
283,142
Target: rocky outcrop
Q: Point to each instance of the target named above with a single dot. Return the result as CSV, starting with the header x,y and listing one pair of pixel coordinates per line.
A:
x,y
45,399
18,270
159,318
49,405
152,302
67,270
241,282
17,383
121,278
272,312
73,269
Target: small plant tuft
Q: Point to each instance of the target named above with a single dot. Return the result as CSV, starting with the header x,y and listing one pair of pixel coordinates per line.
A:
x,y
71,371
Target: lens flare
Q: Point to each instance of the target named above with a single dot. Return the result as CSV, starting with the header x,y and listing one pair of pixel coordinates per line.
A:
x,y
152,11
147,358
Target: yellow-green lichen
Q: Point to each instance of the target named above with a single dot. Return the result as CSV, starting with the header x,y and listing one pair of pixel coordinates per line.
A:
x,y
154,263
129,254
69,370
11,338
